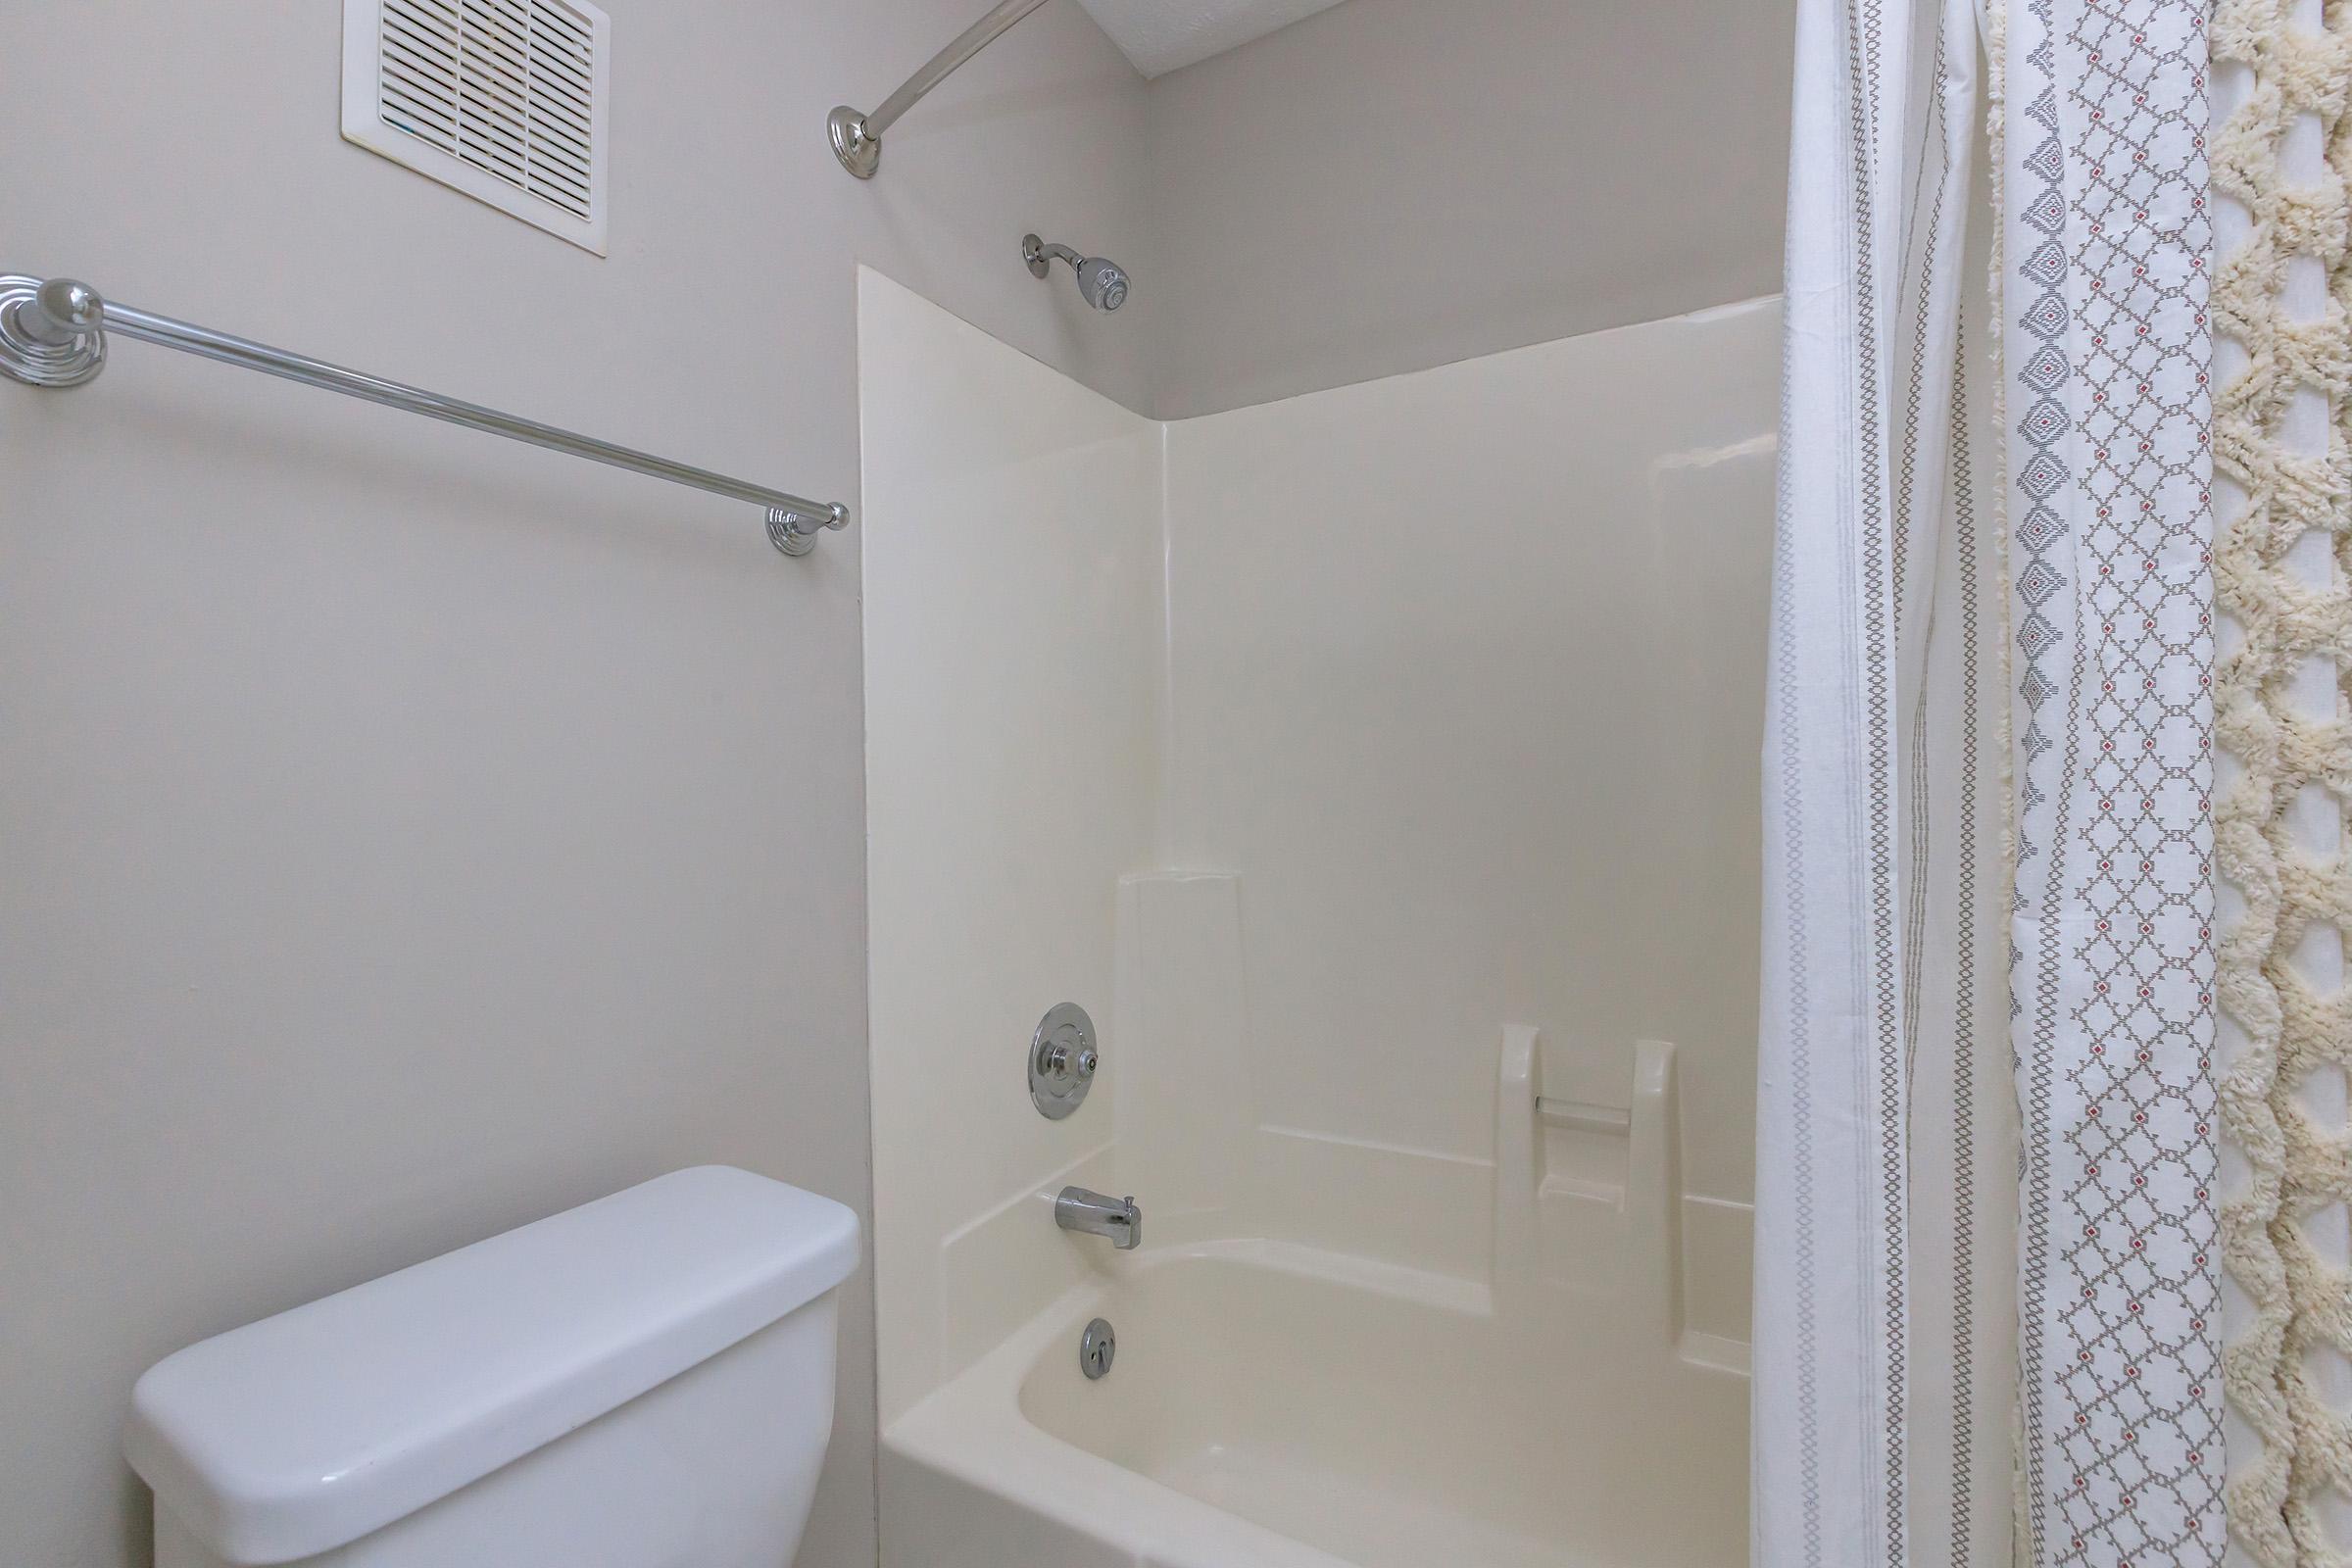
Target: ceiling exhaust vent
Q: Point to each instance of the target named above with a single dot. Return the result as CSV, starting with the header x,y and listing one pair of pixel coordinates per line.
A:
x,y
503,99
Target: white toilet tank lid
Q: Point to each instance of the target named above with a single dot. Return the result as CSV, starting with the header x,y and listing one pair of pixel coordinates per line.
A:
x,y
305,1431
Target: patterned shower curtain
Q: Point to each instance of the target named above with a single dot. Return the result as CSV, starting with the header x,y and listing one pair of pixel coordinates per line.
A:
x,y
1988,1322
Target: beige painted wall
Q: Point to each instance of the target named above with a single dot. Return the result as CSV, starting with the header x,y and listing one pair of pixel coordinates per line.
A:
x,y
408,834
1393,184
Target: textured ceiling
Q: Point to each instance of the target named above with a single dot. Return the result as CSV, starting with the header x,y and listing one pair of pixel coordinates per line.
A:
x,y
1159,35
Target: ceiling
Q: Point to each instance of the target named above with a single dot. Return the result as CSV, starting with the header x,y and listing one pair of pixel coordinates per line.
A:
x,y
1161,35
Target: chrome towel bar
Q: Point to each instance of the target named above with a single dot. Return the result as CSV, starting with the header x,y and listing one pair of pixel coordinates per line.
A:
x,y
53,334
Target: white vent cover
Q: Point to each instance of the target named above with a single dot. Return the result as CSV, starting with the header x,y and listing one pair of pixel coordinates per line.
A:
x,y
503,99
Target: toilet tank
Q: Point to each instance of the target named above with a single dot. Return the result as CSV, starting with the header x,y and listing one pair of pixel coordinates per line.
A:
x,y
644,1382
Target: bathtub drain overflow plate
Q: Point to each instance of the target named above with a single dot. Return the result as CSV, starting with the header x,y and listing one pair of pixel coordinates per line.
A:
x,y
1096,1348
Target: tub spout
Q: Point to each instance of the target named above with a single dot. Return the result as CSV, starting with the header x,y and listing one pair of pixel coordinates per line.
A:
x,y
1093,1214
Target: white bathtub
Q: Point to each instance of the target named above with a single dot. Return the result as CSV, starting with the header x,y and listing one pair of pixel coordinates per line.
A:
x,y
1277,1407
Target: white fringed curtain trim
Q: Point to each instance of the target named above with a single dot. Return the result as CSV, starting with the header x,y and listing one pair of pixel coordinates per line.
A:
x,y
2280,295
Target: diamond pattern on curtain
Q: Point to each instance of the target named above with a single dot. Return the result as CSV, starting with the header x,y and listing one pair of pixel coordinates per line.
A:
x,y
1988,1312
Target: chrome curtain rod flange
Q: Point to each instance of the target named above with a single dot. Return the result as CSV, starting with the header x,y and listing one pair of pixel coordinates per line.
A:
x,y
53,334
56,344
858,137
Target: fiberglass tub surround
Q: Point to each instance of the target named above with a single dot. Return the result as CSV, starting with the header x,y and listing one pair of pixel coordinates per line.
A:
x,y
1422,1005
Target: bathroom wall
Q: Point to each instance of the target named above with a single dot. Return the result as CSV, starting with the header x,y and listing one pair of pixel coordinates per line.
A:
x,y
409,834
1013,640
1393,184
1464,675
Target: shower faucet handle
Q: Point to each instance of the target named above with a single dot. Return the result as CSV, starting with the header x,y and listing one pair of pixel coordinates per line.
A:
x,y
1062,1059
1059,1061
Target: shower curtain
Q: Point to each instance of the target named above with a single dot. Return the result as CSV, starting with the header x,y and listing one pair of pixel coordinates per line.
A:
x,y
1988,1325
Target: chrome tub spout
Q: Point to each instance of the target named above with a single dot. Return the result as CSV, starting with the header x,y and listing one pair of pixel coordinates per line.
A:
x,y
1093,1214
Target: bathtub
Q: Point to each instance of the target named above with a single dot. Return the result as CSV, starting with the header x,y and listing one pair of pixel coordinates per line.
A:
x,y
1273,1406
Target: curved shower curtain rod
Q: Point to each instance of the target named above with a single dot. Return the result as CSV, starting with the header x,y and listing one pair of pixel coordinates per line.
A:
x,y
858,137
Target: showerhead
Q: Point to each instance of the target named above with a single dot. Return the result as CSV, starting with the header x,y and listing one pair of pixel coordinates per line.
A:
x,y
1102,284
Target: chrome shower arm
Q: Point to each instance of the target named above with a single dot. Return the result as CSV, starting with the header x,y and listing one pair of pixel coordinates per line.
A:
x,y
1038,254
857,138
